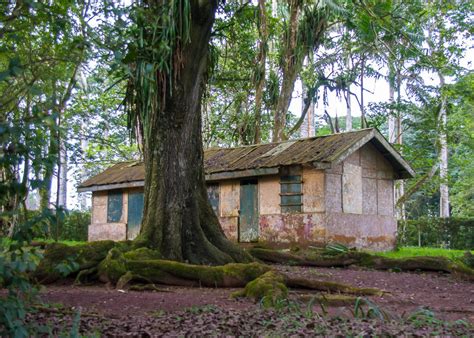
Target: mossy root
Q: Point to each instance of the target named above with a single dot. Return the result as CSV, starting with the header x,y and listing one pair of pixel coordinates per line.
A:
x,y
62,260
317,259
301,283
268,288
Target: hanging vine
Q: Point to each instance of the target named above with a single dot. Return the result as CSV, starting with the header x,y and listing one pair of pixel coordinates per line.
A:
x,y
161,30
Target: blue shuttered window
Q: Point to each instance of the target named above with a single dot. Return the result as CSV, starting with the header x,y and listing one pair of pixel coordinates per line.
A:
x,y
213,195
291,193
114,206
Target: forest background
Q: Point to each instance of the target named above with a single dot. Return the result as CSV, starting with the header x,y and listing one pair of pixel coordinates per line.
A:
x,y
277,70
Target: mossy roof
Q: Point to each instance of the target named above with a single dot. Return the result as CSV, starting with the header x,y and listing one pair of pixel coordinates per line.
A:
x,y
327,150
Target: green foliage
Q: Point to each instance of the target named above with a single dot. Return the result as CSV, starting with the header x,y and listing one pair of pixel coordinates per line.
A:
x,y
17,261
412,251
335,249
153,60
453,233
65,226
61,260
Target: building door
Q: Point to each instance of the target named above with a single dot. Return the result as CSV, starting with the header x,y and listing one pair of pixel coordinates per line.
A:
x,y
248,216
135,214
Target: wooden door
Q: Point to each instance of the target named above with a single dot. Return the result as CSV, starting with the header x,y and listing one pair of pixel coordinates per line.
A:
x,y
248,217
135,214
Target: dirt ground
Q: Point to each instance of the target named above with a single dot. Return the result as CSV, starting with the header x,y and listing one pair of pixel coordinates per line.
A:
x,y
201,311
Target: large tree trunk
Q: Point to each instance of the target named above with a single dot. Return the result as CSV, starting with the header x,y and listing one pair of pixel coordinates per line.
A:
x,y
178,219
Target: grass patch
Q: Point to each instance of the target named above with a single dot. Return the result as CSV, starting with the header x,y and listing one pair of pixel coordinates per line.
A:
x,y
6,241
49,241
412,251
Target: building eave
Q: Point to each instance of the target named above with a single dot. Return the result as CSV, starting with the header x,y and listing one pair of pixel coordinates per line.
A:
x,y
102,187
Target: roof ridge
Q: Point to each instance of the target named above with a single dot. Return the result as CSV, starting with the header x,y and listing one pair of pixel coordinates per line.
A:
x,y
292,140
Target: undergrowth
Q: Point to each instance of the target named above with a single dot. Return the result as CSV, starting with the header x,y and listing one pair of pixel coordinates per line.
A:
x,y
405,252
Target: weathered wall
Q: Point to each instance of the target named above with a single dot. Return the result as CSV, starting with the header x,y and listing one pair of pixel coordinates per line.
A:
x,y
99,229
351,188
269,195
306,227
292,228
230,227
103,231
229,202
124,218
360,213
313,191
99,207
362,231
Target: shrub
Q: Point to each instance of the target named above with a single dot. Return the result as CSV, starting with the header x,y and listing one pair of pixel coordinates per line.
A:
x,y
67,226
452,233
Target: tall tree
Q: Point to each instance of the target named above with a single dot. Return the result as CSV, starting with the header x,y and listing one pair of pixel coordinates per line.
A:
x,y
164,106
446,21
259,76
305,28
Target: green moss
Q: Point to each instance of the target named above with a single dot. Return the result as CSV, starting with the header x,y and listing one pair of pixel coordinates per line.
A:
x,y
112,267
170,272
86,276
268,288
468,259
74,258
167,272
124,280
246,272
142,254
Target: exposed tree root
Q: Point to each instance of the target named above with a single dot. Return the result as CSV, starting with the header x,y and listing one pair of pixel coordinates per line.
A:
x,y
61,260
124,268
310,284
314,258
269,288
146,287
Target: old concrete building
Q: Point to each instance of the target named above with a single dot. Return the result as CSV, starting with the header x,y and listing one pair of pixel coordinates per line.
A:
x,y
335,188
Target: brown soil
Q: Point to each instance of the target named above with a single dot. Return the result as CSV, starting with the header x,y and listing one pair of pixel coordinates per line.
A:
x,y
204,311
448,297
116,303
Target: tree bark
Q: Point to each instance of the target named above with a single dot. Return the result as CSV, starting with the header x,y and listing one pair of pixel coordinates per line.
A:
x,y
62,187
178,220
260,72
305,123
363,122
291,65
391,93
443,155
348,96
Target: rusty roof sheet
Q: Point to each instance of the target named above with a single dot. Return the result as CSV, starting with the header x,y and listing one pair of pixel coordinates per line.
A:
x,y
302,151
321,149
118,173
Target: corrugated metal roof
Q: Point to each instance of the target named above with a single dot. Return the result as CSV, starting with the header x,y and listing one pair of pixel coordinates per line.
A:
x,y
322,149
302,151
118,173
